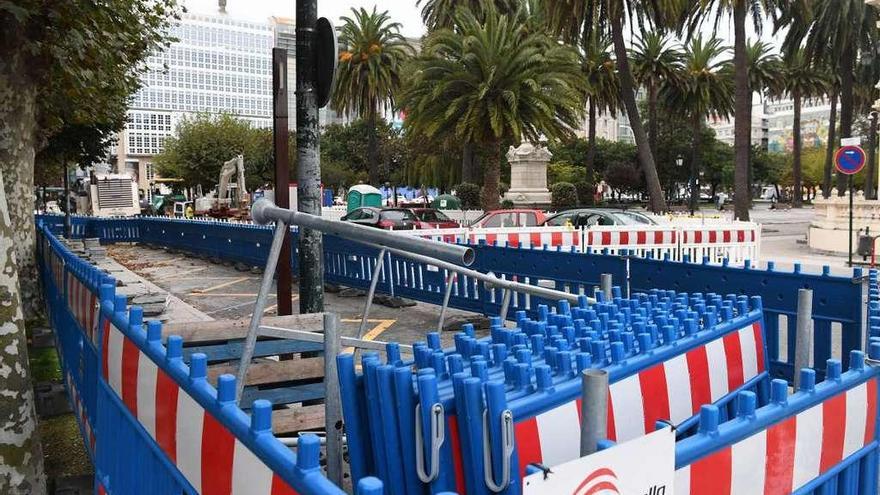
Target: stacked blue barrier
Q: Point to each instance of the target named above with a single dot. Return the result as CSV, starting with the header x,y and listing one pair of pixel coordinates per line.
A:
x,y
534,369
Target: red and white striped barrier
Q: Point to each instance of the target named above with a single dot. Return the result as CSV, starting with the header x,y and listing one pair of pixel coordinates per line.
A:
x,y
673,390
83,303
654,240
737,242
526,237
80,411
208,455
790,453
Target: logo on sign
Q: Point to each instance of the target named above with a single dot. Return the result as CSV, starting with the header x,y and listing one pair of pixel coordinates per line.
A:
x,y
603,481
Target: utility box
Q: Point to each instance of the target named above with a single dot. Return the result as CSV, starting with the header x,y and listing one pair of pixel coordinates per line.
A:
x,y
866,245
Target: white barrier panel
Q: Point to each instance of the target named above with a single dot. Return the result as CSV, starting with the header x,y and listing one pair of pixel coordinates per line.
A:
x,y
654,240
564,238
737,242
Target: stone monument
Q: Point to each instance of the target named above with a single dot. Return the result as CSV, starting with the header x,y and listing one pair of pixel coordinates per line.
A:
x,y
528,175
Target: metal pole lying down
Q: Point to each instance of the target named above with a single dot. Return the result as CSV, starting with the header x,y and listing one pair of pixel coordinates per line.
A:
x,y
264,212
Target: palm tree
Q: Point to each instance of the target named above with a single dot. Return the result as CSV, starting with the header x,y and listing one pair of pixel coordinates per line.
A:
x,y
491,82
838,33
655,61
603,86
440,14
575,20
740,10
369,72
833,78
765,76
802,80
703,89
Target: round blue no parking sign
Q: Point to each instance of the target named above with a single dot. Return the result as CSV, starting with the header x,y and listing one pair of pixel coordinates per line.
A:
x,y
849,160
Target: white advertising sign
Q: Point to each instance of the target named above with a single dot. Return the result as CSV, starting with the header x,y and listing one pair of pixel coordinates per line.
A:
x,y
643,466
851,141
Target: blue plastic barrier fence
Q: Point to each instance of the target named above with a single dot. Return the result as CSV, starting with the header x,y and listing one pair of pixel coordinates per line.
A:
x,y
822,439
135,399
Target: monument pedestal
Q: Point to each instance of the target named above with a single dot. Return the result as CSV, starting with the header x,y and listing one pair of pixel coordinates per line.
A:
x,y
528,175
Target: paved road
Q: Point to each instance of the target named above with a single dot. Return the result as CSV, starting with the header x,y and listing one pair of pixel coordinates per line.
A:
x,y
223,292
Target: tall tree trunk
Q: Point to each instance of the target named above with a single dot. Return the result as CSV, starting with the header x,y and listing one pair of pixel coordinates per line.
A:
x,y
652,118
797,195
491,178
742,128
830,146
847,63
468,161
591,137
308,169
696,163
22,469
373,149
870,168
17,151
657,203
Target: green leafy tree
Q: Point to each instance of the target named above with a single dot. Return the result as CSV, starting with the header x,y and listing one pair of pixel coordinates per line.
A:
x,y
655,62
61,62
765,77
563,195
202,143
704,89
369,73
536,88
802,80
576,20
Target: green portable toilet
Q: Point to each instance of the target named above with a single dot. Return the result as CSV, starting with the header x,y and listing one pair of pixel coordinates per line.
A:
x,y
363,195
446,202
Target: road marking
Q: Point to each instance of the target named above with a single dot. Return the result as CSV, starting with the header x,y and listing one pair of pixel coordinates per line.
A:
x,y
294,297
187,272
373,333
224,284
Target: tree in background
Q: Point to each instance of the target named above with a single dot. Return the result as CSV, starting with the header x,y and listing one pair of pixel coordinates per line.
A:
x,y
802,80
440,14
765,76
57,69
89,56
837,33
202,143
536,88
369,73
603,86
655,62
575,20
703,89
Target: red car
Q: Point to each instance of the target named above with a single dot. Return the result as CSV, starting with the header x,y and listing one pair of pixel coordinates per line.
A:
x,y
430,218
520,217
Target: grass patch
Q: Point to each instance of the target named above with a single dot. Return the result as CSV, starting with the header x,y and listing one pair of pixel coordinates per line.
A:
x,y
44,365
64,453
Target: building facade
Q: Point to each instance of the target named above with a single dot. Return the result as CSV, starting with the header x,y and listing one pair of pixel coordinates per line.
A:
x,y
724,127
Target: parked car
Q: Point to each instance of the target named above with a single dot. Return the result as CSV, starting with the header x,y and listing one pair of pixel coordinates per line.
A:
x,y
520,217
383,218
430,218
588,217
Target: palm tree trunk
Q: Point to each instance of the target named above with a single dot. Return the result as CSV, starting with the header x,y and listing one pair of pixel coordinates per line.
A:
x,y
696,163
491,178
372,149
467,163
830,146
847,62
591,136
652,118
797,196
657,203
742,128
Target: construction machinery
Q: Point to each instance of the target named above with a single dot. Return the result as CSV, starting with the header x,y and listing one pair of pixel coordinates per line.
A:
x,y
232,198
108,195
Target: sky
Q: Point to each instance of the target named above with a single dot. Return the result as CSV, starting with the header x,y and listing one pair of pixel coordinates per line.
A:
x,y
406,12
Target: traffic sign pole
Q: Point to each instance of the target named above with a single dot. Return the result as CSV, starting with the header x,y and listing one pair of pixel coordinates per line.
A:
x,y
850,160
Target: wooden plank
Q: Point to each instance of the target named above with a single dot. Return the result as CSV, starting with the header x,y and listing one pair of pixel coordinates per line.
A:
x,y
293,394
296,419
269,371
233,349
198,331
